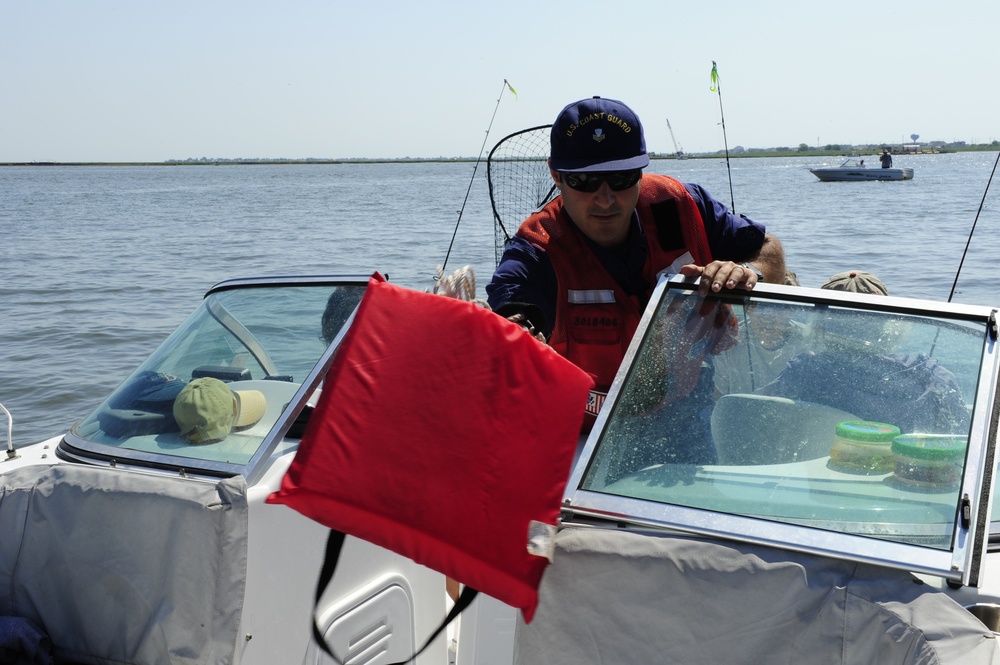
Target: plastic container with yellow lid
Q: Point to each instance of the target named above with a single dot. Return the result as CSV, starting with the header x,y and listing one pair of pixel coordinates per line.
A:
x,y
863,446
932,461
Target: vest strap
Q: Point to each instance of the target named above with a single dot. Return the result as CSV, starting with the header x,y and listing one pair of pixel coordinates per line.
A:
x,y
334,545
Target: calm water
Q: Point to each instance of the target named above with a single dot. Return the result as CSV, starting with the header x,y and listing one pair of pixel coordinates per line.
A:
x,y
99,264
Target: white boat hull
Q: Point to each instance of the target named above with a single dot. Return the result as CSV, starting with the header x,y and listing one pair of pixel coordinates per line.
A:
x,y
855,173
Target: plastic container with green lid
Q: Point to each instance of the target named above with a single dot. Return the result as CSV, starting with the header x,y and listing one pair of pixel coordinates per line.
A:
x,y
929,460
863,446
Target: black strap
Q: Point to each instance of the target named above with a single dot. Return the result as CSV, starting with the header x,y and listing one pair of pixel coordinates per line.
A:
x,y
334,544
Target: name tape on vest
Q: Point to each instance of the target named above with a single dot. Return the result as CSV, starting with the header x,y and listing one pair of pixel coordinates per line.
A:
x,y
591,297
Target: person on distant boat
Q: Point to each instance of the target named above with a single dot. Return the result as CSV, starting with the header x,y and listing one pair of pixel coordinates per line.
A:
x,y
885,158
580,271
861,163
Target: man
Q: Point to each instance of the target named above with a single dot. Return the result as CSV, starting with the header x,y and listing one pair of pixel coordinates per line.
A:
x,y
885,158
579,272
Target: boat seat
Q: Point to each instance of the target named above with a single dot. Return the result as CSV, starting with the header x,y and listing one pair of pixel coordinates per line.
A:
x,y
122,567
752,429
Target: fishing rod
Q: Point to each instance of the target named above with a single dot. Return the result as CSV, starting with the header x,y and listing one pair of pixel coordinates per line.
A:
x,y
717,87
968,241
506,86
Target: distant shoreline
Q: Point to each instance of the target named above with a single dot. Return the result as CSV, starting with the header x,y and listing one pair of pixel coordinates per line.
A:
x,y
745,154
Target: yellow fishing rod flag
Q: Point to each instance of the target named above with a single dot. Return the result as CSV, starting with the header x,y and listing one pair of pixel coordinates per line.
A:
x,y
715,78
511,88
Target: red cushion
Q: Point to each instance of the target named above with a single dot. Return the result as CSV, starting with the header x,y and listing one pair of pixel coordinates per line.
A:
x,y
443,430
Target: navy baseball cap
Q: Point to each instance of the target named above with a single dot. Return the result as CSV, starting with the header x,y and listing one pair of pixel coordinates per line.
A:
x,y
598,134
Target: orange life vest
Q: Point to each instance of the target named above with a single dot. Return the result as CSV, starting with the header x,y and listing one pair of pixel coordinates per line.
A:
x,y
595,319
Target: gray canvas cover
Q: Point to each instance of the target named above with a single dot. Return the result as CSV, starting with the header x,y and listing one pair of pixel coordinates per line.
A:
x,y
615,597
118,566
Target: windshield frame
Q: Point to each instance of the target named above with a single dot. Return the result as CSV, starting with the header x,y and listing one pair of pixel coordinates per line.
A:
x,y
960,562
74,447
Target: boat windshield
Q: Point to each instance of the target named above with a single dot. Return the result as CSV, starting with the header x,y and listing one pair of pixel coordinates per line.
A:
x,y
858,415
257,339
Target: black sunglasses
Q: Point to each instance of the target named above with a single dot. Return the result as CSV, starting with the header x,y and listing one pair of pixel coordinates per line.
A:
x,y
591,182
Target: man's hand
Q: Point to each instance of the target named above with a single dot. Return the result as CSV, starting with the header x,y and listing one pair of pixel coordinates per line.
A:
x,y
522,321
770,260
719,274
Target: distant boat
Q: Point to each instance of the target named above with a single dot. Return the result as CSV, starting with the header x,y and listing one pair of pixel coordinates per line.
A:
x,y
853,169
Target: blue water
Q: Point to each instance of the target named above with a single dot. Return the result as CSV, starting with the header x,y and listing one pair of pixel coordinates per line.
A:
x,y
99,264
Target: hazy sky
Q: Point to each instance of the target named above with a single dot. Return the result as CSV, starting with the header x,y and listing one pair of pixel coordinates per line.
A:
x,y
147,80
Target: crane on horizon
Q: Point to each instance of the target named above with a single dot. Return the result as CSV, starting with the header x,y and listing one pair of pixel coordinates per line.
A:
x,y
677,149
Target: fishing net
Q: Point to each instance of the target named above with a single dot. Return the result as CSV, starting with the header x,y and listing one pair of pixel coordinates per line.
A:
x,y
518,174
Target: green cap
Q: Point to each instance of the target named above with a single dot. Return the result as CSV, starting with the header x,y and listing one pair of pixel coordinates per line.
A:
x,y
206,410
930,447
867,431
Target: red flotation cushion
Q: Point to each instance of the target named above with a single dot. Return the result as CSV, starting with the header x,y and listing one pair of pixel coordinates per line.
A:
x,y
442,432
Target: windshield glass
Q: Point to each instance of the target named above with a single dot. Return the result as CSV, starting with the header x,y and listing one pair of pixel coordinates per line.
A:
x,y
217,385
835,417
